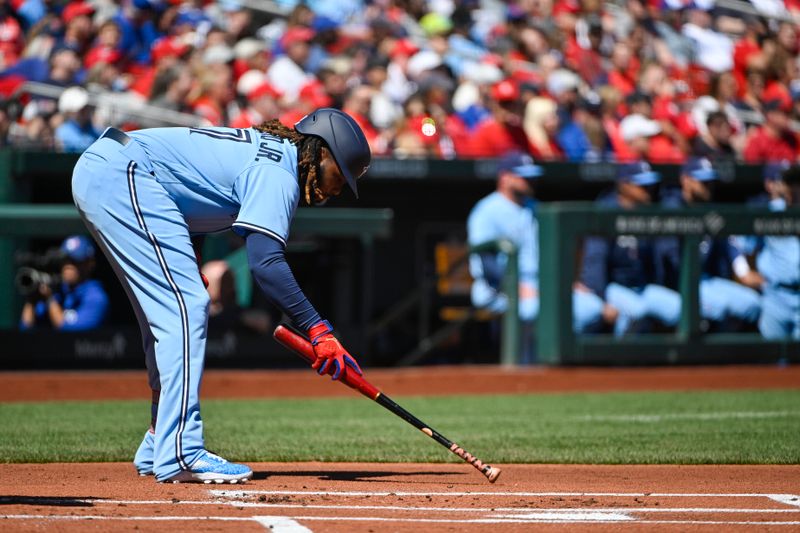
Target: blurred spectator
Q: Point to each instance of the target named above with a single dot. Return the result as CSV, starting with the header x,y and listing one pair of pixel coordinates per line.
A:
x,y
728,304
287,72
753,90
714,142
669,107
722,97
578,132
224,311
138,24
383,111
106,48
166,52
34,128
774,140
235,19
65,67
624,69
73,302
77,131
216,91
11,37
357,102
250,54
713,50
663,146
778,258
501,131
312,96
624,270
334,84
262,105
541,126
636,130
78,31
509,213
476,65
749,52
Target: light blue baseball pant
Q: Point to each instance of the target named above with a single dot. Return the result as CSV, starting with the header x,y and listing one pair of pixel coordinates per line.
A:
x,y
145,238
587,308
780,313
654,301
722,298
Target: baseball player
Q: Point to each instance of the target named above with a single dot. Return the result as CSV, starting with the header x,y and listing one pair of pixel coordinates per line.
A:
x,y
725,301
624,270
777,257
510,213
78,303
142,194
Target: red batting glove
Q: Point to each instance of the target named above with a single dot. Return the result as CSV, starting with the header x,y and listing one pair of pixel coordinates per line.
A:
x,y
332,358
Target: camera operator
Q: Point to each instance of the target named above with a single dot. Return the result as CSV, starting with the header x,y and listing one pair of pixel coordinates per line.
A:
x,y
75,302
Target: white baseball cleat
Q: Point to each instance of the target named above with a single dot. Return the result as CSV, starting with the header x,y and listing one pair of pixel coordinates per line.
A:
x,y
211,468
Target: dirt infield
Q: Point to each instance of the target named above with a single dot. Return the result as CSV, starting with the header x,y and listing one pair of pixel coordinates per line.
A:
x,y
405,498
302,497
440,380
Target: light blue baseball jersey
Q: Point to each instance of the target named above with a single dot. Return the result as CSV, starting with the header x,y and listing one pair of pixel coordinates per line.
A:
x,y
223,177
497,217
141,199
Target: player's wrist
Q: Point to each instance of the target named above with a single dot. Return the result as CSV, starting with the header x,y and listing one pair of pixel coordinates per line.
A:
x,y
319,330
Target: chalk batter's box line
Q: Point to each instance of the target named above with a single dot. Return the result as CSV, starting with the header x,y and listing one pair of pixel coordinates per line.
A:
x,y
289,523
786,499
408,508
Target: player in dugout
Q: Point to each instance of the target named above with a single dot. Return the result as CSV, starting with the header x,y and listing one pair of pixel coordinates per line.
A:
x,y
144,193
509,213
76,301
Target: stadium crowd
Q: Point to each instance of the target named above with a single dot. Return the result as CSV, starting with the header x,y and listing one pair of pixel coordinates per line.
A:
x,y
573,80
662,81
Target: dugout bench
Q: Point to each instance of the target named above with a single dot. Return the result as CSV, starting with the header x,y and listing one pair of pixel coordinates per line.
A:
x,y
562,227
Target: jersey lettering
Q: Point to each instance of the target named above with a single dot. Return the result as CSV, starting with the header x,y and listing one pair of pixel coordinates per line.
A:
x,y
265,150
237,135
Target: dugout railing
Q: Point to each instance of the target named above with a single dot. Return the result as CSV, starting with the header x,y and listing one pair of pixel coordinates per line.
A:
x,y
562,228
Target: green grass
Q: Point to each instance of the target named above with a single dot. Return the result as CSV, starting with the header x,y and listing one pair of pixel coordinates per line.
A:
x,y
756,427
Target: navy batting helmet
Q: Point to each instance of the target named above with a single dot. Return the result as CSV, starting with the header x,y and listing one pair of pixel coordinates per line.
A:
x,y
344,138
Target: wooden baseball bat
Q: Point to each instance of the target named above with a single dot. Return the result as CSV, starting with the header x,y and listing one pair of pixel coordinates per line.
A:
x,y
298,344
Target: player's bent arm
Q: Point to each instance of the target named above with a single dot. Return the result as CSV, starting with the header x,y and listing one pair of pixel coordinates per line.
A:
x,y
268,264
272,273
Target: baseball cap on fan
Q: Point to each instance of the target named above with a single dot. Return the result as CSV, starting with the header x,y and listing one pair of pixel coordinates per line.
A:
x,y
520,164
73,99
638,125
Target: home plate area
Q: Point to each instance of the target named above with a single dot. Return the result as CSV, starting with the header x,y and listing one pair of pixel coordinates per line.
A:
x,y
348,497
305,511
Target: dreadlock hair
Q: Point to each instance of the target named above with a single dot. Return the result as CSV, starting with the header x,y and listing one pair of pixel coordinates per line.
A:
x,y
309,154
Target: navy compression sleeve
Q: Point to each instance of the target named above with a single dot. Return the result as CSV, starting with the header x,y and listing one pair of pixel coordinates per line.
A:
x,y
270,269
